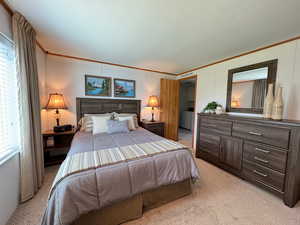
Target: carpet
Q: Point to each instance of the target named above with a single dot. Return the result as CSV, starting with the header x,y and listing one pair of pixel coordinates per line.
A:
x,y
185,137
219,198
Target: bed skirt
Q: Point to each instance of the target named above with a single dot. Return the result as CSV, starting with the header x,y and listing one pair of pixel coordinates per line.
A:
x,y
134,207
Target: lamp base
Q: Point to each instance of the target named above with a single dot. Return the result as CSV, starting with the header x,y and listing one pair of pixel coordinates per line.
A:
x,y
57,116
152,120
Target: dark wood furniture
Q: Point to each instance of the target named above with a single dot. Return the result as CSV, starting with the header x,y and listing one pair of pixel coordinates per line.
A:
x,y
55,152
105,105
154,127
264,152
272,69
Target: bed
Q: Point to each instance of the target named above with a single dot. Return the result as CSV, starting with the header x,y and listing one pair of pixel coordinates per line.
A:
x,y
108,179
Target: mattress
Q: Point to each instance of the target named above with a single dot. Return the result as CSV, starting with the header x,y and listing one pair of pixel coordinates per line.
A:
x,y
96,188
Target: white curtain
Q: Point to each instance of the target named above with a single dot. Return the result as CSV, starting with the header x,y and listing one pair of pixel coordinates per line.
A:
x,y
31,152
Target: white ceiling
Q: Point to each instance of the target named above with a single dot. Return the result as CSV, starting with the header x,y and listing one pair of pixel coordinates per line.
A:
x,y
166,35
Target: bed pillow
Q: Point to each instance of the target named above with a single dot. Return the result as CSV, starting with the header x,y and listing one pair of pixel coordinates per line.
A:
x,y
135,119
115,126
86,122
100,124
130,119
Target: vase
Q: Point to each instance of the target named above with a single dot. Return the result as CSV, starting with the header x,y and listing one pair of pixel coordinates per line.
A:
x,y
219,110
277,111
268,105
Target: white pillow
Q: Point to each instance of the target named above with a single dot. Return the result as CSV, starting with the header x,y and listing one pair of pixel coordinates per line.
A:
x,y
118,115
130,119
100,124
86,121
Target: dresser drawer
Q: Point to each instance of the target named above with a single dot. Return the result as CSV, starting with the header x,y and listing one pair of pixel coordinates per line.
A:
x,y
216,126
270,157
263,175
262,133
209,143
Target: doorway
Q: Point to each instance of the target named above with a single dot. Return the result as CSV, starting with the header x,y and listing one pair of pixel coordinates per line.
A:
x,y
187,99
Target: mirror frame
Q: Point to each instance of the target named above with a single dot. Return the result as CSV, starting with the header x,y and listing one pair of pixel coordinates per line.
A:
x,y
272,70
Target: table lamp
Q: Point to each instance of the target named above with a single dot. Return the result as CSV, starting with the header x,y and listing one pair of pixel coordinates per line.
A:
x,y
153,102
235,103
56,101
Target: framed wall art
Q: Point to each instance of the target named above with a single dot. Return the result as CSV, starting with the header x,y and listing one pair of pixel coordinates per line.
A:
x,y
97,86
124,88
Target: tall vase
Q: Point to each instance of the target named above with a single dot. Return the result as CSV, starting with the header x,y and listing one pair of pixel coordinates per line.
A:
x,y
268,105
277,111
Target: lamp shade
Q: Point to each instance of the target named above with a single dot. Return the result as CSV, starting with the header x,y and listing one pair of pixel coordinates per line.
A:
x,y
56,101
235,103
153,101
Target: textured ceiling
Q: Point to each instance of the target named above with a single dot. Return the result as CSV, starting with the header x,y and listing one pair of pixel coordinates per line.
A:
x,y
166,35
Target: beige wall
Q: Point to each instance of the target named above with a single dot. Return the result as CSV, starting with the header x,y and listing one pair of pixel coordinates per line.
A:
x,y
66,76
212,81
5,22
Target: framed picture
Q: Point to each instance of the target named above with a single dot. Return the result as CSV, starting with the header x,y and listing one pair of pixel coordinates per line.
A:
x,y
124,88
97,86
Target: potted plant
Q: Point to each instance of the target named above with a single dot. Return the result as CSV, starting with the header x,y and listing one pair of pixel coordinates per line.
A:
x,y
211,107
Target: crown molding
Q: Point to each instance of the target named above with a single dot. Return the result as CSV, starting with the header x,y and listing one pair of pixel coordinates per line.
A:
x,y
6,7
240,55
41,47
109,63
167,73
188,77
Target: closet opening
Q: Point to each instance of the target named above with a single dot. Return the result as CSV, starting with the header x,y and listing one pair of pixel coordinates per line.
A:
x,y
187,97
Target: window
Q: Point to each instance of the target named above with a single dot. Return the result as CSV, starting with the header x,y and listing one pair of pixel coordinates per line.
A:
x,y
9,117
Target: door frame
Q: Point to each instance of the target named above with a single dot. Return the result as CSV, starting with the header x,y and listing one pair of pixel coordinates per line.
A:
x,y
195,114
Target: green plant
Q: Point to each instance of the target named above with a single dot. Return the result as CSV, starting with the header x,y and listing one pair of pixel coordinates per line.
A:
x,y
211,106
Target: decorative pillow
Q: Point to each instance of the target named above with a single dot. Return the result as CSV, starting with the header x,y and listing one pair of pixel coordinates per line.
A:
x,y
135,119
130,119
86,122
115,126
100,124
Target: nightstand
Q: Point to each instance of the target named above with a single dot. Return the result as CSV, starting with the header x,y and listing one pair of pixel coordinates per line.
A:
x,y
56,146
156,127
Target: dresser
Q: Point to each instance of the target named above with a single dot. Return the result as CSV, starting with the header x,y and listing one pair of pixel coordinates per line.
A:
x,y
263,152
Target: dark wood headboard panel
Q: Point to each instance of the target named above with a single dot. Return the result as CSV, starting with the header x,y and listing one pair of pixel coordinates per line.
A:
x,y
106,105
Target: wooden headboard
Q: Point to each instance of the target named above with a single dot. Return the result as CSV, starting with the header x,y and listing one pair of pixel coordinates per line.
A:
x,y
106,105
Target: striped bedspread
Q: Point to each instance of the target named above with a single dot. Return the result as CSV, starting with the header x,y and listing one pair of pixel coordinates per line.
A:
x,y
94,159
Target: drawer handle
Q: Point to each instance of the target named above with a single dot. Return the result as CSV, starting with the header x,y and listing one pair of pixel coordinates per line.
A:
x,y
259,173
260,160
254,133
261,150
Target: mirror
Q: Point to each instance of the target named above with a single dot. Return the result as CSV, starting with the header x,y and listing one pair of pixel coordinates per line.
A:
x,y
247,86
